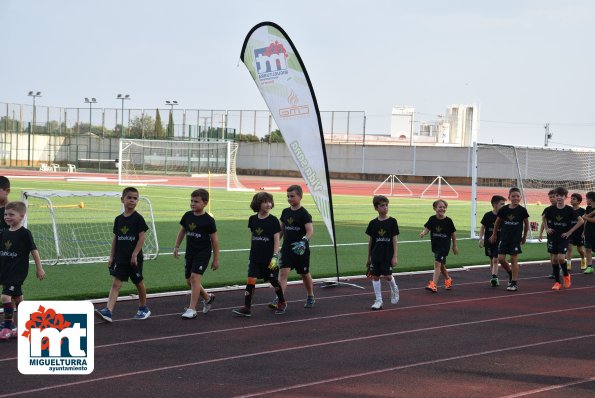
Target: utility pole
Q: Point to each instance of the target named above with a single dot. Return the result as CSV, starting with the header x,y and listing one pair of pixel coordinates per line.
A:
x,y
548,135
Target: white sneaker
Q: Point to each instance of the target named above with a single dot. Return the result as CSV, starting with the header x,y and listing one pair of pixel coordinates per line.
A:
x,y
189,314
377,305
206,304
394,296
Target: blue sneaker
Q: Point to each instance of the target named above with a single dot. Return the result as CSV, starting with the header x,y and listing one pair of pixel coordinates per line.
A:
x,y
104,314
309,302
142,313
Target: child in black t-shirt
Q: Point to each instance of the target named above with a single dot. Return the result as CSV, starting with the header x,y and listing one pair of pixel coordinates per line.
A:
x,y
589,230
200,231
126,256
264,252
513,223
551,195
382,251
577,238
442,230
559,228
485,232
15,245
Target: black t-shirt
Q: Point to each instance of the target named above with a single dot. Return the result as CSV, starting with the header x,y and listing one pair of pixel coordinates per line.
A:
x,y
440,233
127,230
294,226
589,226
560,220
198,234
382,233
15,247
488,221
512,222
263,237
580,212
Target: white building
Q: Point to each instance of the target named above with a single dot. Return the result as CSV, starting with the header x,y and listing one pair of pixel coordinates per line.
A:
x,y
402,119
463,123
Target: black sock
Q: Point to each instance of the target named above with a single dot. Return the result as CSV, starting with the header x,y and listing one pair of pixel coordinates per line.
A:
x,y
564,268
248,295
556,270
278,290
494,276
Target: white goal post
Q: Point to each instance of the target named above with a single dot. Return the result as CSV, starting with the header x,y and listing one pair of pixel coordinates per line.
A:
x,y
152,161
77,227
535,171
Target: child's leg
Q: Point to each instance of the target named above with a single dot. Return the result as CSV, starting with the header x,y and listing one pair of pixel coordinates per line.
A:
x,y
283,277
556,267
8,311
377,287
562,261
514,263
249,291
195,290
308,284
581,252
444,271
113,294
494,266
505,265
391,282
569,252
278,290
437,270
589,256
142,294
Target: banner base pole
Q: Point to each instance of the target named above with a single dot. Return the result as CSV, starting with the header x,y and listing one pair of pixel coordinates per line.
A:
x,y
339,283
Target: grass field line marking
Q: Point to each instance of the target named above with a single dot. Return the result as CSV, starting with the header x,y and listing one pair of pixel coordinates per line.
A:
x,y
315,345
550,388
413,365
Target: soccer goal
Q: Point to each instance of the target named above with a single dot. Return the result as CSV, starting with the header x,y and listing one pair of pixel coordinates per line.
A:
x,y
497,168
77,227
212,163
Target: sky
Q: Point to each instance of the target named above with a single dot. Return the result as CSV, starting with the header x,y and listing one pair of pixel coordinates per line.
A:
x,y
525,63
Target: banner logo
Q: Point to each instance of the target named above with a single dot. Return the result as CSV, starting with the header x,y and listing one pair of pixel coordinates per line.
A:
x,y
270,62
294,109
56,337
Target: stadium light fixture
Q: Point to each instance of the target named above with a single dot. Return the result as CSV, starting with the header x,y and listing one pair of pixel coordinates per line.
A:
x,y
123,97
33,94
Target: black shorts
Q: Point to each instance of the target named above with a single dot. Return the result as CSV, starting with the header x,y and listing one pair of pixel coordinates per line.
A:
x,y
12,290
262,271
381,269
557,245
509,247
195,265
301,264
123,271
576,240
440,256
491,250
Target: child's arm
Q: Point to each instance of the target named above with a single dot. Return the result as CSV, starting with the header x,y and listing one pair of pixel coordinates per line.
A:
x,y
424,232
369,260
40,271
579,222
179,239
112,253
393,261
496,228
542,227
215,243
455,249
282,230
481,232
274,263
309,231
525,230
589,217
137,248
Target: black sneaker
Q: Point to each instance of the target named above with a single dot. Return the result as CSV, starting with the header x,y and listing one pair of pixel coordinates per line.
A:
x,y
244,311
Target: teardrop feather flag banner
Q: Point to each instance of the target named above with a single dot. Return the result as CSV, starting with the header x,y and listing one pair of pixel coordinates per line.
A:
x,y
281,77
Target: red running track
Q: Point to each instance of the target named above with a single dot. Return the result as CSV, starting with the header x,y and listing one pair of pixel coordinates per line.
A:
x,y
472,341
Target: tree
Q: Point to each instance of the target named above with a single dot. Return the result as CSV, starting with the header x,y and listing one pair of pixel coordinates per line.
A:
x,y
275,136
158,126
170,126
247,138
141,125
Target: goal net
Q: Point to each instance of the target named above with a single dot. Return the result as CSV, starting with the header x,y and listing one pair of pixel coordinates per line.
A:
x,y
535,171
210,163
77,227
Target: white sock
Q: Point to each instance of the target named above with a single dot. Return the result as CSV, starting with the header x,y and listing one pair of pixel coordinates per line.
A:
x,y
393,285
377,290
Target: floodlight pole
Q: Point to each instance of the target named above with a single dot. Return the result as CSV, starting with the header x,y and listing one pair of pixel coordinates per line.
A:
x,y
122,97
171,104
90,102
33,94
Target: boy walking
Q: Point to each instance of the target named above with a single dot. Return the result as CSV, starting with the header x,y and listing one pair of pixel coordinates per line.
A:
x,y
577,238
264,252
513,222
201,239
296,231
558,219
16,244
491,249
442,231
382,251
4,191
126,256
589,231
